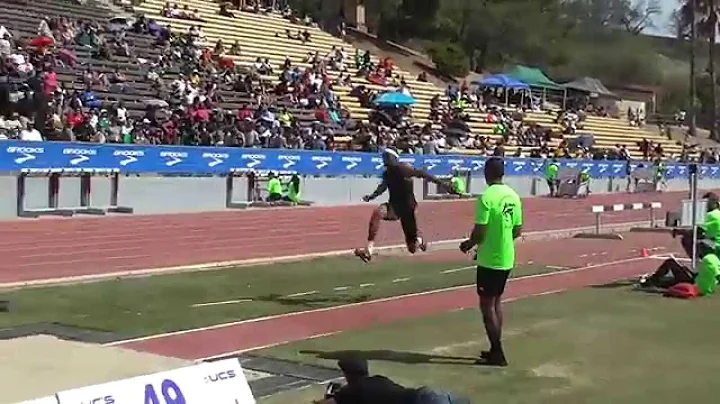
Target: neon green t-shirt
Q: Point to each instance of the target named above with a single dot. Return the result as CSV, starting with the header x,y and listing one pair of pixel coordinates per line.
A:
x,y
499,208
660,171
551,171
706,279
293,192
711,227
274,186
458,184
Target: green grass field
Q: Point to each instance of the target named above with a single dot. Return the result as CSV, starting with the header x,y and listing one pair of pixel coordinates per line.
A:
x,y
596,345
142,306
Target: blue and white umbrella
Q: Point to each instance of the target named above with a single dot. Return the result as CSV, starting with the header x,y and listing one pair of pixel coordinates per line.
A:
x,y
394,98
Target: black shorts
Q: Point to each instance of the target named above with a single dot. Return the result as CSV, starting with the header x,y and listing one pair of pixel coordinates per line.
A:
x,y
491,282
407,218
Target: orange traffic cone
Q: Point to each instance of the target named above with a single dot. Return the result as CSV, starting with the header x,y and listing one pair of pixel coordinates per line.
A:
x,y
644,253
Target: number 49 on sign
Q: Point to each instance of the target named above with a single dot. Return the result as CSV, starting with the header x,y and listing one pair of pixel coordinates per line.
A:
x,y
198,384
169,391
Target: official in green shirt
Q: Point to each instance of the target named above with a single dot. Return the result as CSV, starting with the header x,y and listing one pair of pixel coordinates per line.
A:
x,y
709,230
498,222
551,173
660,173
274,188
457,183
671,272
708,272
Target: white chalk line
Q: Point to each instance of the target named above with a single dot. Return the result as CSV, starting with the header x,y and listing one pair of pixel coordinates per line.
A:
x,y
220,303
362,285
312,292
406,279
349,305
344,288
213,266
328,334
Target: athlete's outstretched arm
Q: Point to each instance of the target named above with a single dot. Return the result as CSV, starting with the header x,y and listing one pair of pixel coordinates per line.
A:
x,y
419,173
381,188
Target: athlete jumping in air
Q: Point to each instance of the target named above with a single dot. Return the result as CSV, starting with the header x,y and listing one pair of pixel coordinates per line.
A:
x,y
398,180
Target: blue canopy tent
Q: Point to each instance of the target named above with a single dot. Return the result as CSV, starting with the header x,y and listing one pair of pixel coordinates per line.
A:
x,y
501,80
394,98
504,81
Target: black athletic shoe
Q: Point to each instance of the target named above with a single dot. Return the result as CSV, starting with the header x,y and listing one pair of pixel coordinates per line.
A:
x,y
363,254
488,358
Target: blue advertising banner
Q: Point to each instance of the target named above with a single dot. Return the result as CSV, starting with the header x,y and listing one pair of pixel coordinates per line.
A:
x,y
18,156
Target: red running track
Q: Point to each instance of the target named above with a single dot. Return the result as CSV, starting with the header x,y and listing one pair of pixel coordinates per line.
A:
x,y
53,248
618,262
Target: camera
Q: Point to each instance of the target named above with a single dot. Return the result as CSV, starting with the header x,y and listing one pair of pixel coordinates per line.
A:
x,y
331,389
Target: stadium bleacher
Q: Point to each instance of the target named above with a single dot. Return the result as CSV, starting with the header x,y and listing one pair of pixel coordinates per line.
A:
x,y
264,36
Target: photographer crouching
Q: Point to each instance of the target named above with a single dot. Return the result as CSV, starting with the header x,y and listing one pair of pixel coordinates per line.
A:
x,y
361,388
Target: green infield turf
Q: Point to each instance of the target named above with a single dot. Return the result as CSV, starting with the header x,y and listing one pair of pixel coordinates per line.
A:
x,y
142,306
596,345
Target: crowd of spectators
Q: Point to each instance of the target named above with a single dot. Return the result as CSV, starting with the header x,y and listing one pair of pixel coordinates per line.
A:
x,y
201,96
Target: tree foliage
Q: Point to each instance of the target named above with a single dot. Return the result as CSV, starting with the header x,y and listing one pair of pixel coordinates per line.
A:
x,y
566,38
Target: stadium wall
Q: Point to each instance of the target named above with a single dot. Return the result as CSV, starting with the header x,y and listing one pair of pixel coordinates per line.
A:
x,y
150,194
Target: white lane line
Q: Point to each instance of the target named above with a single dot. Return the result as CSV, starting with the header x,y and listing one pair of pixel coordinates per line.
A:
x,y
453,270
345,306
555,267
221,303
366,285
340,288
664,257
399,280
238,352
312,292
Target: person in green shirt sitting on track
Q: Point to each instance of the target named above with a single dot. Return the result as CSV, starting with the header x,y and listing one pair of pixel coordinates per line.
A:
x,y
551,173
671,272
457,183
293,189
274,188
709,230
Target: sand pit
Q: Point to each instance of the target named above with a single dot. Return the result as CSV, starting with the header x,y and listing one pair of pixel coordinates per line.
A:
x,y
42,365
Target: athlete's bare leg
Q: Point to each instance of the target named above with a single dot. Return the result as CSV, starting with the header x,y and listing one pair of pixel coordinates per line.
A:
x,y
374,227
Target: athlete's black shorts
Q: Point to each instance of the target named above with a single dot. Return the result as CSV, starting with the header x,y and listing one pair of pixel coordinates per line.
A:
x,y
491,282
406,215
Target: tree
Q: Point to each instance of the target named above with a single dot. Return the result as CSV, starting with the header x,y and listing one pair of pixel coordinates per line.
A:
x,y
602,15
700,18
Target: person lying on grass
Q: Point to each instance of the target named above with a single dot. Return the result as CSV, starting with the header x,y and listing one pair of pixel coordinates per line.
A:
x,y
361,388
671,272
